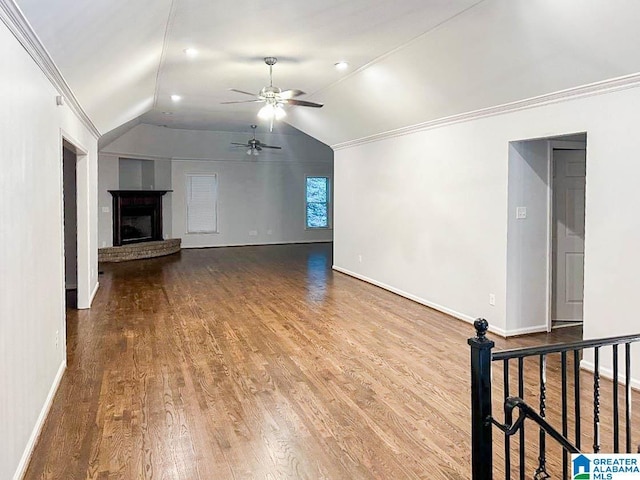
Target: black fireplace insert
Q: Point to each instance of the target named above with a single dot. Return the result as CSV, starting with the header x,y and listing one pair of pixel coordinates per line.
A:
x,y
137,216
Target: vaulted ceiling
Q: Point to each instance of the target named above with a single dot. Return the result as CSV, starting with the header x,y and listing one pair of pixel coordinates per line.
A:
x,y
410,61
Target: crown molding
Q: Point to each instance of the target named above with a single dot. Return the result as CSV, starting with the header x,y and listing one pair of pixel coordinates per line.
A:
x,y
592,89
19,26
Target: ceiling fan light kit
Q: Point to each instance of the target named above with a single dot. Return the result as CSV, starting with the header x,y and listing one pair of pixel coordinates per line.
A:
x,y
274,98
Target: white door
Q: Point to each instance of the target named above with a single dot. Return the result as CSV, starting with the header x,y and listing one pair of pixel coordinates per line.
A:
x,y
569,168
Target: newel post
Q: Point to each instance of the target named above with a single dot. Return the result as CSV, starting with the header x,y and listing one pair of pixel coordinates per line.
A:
x,y
481,442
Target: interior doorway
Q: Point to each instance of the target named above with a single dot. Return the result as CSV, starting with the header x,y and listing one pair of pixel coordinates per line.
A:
x,y
545,233
70,199
569,163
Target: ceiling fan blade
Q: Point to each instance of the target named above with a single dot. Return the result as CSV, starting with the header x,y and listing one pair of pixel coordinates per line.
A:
x,y
287,94
240,144
243,101
242,91
303,103
270,146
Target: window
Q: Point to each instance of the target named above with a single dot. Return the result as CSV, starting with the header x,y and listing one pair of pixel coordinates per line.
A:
x,y
202,203
317,195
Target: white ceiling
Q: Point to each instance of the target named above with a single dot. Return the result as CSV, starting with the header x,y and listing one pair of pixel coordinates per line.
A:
x,y
411,61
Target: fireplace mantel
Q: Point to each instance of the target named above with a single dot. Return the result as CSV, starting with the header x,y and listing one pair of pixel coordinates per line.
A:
x,y
144,204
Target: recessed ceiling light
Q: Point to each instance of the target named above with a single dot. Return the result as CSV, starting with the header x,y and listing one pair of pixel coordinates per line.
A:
x,y
190,52
341,65
167,113
176,98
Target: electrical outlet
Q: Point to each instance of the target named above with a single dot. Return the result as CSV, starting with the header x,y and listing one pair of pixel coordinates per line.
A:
x,y
492,299
253,233
269,232
521,213
360,258
57,338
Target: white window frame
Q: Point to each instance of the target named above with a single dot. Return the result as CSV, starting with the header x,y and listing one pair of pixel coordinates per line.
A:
x,y
188,178
306,220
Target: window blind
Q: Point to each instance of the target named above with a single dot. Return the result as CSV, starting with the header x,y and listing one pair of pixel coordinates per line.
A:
x,y
202,197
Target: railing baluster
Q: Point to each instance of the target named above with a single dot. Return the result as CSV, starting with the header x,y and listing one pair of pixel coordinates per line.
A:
x,y
541,471
616,431
627,392
522,439
565,425
507,419
596,400
576,394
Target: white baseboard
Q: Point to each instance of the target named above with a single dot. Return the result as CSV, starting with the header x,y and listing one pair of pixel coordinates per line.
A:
x,y
460,316
82,306
254,244
93,294
526,330
607,373
37,429
422,301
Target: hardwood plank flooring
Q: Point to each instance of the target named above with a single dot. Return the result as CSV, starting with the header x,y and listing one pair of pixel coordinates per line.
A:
x,y
259,363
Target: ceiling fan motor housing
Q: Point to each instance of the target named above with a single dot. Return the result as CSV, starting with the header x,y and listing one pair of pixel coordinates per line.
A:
x,y
270,92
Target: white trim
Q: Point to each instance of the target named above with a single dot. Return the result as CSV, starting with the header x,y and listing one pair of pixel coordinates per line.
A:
x,y
526,330
93,294
254,244
420,300
549,253
460,316
19,26
568,145
37,429
589,90
607,373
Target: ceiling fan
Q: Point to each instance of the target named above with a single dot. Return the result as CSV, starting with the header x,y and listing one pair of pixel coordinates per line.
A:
x,y
274,98
254,146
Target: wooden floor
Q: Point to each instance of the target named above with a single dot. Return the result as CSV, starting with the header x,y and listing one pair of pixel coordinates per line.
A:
x,y
259,363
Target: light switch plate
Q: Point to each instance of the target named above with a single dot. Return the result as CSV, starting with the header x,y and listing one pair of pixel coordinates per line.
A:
x,y
521,212
105,209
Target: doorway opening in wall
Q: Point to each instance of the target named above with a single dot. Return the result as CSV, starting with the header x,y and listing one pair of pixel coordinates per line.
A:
x,y
70,199
545,233
569,167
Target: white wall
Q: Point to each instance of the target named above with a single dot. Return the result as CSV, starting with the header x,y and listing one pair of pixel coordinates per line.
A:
x,y
527,239
108,179
430,215
31,237
268,199
263,194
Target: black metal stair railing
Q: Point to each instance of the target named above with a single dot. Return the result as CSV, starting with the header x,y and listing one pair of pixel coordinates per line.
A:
x,y
482,419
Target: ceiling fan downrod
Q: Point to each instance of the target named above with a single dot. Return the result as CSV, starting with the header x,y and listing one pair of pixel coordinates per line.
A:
x,y
271,61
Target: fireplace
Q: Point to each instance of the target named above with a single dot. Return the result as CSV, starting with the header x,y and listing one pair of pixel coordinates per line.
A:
x,y
137,216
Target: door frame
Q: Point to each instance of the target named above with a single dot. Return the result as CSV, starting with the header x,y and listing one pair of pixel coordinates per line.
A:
x,y
83,220
551,146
